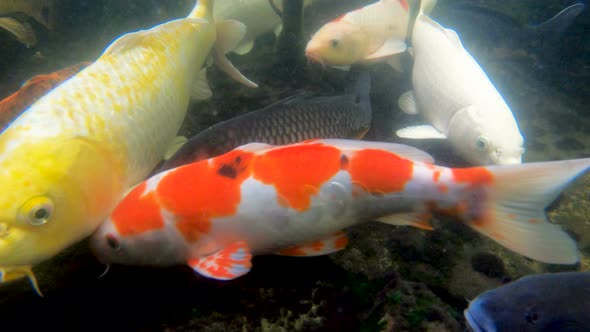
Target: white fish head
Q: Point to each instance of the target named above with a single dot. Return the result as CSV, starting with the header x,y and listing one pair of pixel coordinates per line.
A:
x,y
486,136
337,43
137,233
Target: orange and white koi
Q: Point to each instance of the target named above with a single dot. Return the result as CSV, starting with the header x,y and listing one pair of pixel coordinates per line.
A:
x,y
296,199
374,33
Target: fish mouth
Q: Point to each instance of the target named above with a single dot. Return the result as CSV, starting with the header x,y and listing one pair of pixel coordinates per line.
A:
x,y
313,57
472,322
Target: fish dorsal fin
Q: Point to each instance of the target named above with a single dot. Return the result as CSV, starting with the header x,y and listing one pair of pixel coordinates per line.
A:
x,y
449,33
402,150
132,40
407,103
453,37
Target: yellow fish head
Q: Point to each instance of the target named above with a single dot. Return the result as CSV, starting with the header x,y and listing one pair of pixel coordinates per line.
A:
x,y
54,193
338,43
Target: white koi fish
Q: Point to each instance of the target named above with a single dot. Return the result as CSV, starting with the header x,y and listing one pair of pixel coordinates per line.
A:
x,y
295,200
71,156
458,100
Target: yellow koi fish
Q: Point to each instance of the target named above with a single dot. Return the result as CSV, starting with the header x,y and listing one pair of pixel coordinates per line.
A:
x,y
70,157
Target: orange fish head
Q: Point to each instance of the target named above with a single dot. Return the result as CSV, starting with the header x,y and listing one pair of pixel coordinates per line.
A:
x,y
337,43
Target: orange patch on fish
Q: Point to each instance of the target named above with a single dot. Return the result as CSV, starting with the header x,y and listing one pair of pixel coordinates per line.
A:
x,y
436,175
341,242
203,190
297,172
472,175
192,227
293,251
404,4
443,188
137,213
379,171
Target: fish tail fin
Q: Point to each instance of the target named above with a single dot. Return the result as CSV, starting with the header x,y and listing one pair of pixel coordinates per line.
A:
x,y
203,9
229,34
515,213
561,20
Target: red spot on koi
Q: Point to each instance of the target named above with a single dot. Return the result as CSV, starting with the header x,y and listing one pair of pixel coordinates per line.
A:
x,y
138,213
379,171
297,172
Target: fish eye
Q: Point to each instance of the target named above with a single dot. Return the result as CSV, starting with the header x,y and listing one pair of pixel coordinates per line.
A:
x,y
112,242
335,42
36,211
531,316
481,144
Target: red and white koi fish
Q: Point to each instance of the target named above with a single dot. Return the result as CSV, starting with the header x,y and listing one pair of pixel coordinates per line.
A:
x,y
296,199
374,33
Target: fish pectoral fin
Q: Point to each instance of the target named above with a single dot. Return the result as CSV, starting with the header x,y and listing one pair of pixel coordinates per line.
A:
x,y
229,34
8,274
390,47
278,30
176,144
407,103
229,263
420,132
325,246
417,219
244,47
200,89
22,31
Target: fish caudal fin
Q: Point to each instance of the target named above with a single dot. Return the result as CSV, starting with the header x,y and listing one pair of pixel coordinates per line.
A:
x,y
515,216
22,31
232,262
229,34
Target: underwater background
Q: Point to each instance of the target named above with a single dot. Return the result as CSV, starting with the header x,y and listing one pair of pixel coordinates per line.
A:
x,y
389,278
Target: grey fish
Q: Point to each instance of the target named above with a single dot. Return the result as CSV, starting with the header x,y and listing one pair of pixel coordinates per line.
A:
x,y
541,302
287,121
538,42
